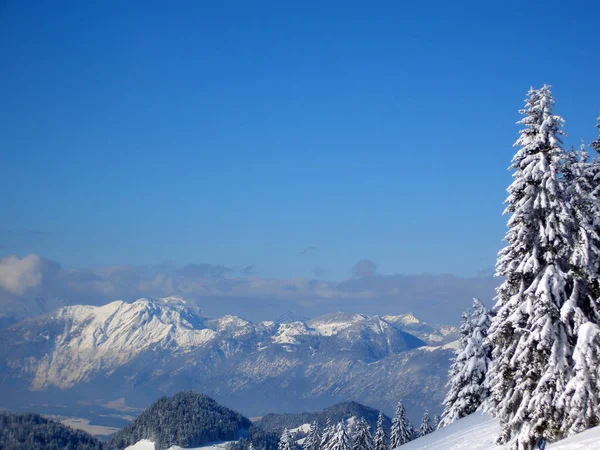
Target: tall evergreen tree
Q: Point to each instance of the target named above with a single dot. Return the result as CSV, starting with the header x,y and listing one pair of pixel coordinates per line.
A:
x,y
579,175
437,421
313,438
327,434
340,440
594,173
425,427
596,143
286,442
362,439
467,374
532,350
581,399
402,430
380,435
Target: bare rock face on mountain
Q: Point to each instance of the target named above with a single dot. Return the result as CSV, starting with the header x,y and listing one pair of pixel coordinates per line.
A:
x,y
141,350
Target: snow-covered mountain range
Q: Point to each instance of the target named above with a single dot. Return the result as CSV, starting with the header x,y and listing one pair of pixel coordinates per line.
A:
x,y
141,350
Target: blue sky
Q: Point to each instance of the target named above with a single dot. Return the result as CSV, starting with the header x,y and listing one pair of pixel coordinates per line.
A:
x,y
242,133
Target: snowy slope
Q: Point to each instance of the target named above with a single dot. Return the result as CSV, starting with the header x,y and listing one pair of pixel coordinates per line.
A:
x,y
478,432
145,444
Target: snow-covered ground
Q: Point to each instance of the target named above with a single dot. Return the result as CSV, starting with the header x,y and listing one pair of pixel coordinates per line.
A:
x,y
478,432
145,444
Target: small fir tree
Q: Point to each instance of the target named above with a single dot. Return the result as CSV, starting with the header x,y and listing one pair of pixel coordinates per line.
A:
x,y
362,439
467,374
286,442
596,143
313,438
380,435
327,434
402,430
583,391
425,427
340,440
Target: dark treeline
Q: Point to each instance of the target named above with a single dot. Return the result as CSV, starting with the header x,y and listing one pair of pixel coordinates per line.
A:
x,y
33,432
276,423
187,419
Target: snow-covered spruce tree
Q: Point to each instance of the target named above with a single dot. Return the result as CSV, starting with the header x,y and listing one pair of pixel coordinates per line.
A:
x,y
313,438
425,427
362,439
340,440
327,434
581,312
532,349
286,442
467,374
581,399
579,178
402,430
436,421
594,172
596,143
380,435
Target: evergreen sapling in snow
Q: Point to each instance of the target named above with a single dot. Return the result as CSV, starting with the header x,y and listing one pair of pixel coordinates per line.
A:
x,y
436,421
467,374
362,439
286,442
402,430
425,427
328,433
340,440
313,438
380,436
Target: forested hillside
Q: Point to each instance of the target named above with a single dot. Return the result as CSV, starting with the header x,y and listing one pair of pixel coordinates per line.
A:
x,y
187,419
34,432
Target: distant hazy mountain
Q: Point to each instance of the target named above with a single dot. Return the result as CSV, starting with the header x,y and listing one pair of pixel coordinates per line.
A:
x,y
346,411
141,350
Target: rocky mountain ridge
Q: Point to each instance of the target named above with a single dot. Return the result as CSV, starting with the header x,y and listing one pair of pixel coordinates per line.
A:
x,y
151,347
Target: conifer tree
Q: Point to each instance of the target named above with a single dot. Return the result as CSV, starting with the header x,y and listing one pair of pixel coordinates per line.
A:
x,y
286,442
327,434
467,374
340,440
596,143
313,438
380,435
579,403
579,178
437,421
425,427
582,394
402,430
532,350
593,173
362,437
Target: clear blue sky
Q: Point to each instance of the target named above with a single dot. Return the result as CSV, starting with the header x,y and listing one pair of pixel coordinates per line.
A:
x,y
240,133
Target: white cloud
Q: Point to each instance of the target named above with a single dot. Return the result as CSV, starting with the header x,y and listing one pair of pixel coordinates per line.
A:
x,y
17,275
33,285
